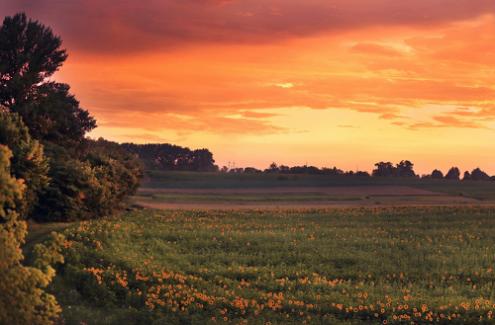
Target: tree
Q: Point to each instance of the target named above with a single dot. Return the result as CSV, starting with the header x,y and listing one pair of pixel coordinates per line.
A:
x,y
273,168
87,180
53,115
117,171
405,169
479,175
72,180
28,162
467,176
170,157
202,160
91,187
454,174
29,54
23,299
251,170
384,169
436,174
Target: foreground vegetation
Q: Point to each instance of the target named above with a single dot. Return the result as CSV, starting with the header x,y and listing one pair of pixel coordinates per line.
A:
x,y
49,170
299,266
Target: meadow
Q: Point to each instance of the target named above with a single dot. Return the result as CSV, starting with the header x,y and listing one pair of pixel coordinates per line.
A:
x,y
287,266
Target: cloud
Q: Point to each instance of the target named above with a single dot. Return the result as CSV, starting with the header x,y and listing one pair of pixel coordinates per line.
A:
x,y
445,121
144,25
226,66
210,123
375,49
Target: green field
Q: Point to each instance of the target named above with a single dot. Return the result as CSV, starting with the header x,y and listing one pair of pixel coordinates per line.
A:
x,y
360,265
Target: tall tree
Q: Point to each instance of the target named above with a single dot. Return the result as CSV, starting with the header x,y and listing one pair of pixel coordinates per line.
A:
x,y
479,175
436,174
54,115
384,169
405,169
29,54
453,174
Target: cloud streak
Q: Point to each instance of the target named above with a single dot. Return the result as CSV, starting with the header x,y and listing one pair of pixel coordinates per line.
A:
x,y
128,26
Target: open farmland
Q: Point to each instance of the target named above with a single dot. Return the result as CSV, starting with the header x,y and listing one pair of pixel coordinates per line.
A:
x,y
183,190
362,265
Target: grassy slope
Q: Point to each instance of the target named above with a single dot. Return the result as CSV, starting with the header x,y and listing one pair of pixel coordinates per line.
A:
x,y
440,260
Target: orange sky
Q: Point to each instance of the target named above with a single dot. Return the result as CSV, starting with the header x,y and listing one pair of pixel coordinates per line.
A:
x,y
323,82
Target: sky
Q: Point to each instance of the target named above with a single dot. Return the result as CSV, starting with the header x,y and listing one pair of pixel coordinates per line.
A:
x,y
343,83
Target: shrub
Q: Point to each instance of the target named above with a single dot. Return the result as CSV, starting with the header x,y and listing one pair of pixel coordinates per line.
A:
x,y
22,298
28,163
65,197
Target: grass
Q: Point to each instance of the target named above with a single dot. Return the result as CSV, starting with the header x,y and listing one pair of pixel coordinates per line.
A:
x,y
378,265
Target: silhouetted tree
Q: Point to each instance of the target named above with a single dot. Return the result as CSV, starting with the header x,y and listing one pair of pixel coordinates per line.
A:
x,y
273,168
252,170
454,174
202,160
29,55
405,169
467,176
384,169
54,116
479,175
436,174
171,157
334,171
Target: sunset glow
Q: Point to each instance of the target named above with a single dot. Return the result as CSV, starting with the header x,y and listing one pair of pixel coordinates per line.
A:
x,y
322,82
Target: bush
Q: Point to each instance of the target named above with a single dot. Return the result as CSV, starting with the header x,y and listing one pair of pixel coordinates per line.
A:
x,y
28,163
22,298
64,199
90,187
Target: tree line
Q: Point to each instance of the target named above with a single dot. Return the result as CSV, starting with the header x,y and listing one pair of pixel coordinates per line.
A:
x,y
49,169
404,168
171,157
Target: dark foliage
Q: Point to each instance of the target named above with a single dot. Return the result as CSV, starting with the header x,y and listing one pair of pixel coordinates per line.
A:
x,y
386,169
436,174
479,175
92,186
54,115
453,174
29,54
171,157
28,161
88,179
